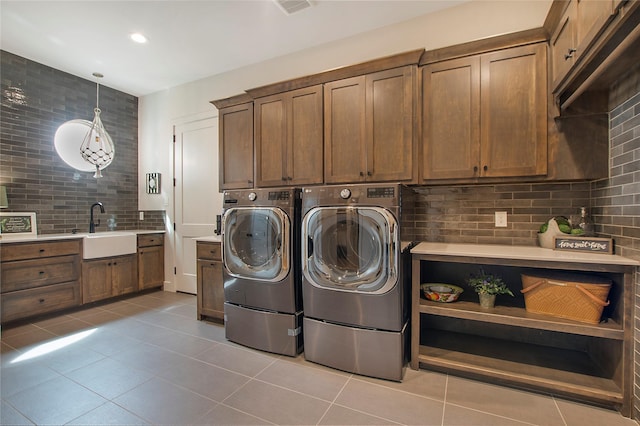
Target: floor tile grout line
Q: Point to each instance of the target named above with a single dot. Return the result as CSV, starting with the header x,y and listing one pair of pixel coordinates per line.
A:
x,y
397,390
244,412
555,402
523,422
334,399
444,399
18,411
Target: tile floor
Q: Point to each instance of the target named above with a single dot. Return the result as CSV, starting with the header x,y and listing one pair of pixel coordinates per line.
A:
x,y
147,360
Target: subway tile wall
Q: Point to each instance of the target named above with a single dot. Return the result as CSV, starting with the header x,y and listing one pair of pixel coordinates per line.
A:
x,y
36,99
617,199
466,214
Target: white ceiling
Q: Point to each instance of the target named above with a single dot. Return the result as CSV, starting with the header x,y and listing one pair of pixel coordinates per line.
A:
x,y
188,40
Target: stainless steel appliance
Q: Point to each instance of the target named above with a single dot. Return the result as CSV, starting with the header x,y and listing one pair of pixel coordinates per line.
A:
x,y
262,280
355,293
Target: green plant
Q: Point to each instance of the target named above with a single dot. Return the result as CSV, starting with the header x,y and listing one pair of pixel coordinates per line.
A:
x,y
488,284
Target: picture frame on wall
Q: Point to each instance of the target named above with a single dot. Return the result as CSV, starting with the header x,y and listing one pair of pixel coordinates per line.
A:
x,y
153,183
18,225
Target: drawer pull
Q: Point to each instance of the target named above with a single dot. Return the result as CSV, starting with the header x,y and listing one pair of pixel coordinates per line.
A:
x,y
41,250
41,300
41,272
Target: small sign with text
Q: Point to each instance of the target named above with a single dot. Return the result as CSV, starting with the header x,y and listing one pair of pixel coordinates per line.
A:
x,y
584,244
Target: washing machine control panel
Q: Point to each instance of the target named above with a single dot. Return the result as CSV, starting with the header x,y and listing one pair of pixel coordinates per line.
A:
x,y
345,193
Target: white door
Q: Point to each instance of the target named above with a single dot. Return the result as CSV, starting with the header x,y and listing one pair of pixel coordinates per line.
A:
x,y
196,197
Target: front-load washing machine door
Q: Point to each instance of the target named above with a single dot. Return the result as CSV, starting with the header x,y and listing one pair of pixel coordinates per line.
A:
x,y
352,249
256,243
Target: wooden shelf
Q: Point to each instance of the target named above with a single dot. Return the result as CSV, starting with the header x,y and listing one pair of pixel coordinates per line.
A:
x,y
519,317
554,370
510,346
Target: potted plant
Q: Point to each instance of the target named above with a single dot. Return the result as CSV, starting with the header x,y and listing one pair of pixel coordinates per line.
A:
x,y
488,286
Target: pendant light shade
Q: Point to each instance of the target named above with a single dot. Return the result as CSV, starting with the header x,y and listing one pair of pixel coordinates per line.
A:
x,y
97,147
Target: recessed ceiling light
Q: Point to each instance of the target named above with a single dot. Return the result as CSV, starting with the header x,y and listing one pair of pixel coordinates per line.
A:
x,y
138,38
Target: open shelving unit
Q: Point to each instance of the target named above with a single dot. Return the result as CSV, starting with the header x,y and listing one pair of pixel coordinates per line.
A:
x,y
508,345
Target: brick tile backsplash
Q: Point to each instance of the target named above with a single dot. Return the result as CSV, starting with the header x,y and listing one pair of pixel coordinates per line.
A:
x,y
465,214
37,180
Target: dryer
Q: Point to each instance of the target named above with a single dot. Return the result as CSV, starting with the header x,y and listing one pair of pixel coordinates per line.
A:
x,y
355,292
262,280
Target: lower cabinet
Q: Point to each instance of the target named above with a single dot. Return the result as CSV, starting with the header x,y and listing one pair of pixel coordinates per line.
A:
x,y
210,284
39,278
150,261
109,277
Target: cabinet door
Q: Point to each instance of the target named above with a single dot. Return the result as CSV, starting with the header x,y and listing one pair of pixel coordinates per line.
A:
x,y
304,151
591,18
389,124
288,138
96,280
451,119
513,121
210,289
124,275
344,131
563,45
236,146
150,267
271,140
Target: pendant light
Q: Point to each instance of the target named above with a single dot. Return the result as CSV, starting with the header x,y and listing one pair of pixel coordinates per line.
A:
x,y
97,147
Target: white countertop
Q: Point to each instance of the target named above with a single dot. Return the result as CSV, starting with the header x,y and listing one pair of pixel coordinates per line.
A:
x,y
49,237
496,251
210,239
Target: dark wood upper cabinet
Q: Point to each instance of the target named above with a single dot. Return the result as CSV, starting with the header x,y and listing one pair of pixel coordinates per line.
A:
x,y
235,145
451,119
581,22
368,127
289,139
485,116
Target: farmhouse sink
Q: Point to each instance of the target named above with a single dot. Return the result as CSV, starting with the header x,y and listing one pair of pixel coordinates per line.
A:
x,y
107,244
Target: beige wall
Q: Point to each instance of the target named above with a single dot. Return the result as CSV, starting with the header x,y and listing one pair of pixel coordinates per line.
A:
x,y
470,21
159,112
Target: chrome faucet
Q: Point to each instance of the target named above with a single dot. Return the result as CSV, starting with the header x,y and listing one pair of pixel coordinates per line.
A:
x,y
92,224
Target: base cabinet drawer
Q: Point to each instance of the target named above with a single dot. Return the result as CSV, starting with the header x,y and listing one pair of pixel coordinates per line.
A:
x,y
40,300
23,251
24,274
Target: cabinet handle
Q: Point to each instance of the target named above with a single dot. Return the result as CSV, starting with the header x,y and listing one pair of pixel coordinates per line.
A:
x,y
368,173
485,168
41,250
361,174
289,178
41,300
475,169
249,181
41,272
569,54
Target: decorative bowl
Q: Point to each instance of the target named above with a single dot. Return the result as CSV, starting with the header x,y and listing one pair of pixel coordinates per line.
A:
x,y
439,292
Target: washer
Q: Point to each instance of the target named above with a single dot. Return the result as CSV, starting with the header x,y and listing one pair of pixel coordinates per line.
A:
x,y
355,292
262,280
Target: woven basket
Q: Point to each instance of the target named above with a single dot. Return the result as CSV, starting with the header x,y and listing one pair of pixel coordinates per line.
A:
x,y
576,297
